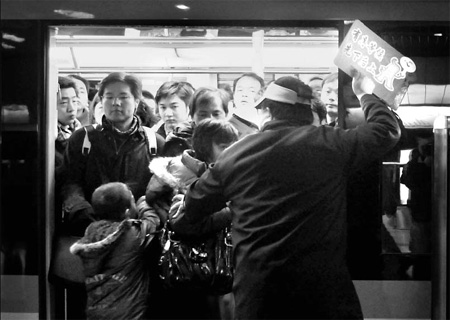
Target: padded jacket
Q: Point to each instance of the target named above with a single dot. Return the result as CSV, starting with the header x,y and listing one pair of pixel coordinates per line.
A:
x,y
287,191
112,157
117,267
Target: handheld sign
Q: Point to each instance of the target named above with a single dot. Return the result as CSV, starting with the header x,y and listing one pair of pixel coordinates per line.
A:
x,y
366,52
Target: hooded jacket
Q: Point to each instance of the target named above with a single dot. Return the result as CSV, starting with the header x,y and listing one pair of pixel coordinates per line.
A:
x,y
116,265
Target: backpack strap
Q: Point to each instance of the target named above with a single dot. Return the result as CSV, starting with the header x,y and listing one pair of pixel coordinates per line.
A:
x,y
86,143
151,140
149,133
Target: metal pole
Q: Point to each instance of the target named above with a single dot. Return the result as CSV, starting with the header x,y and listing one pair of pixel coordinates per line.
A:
x,y
440,226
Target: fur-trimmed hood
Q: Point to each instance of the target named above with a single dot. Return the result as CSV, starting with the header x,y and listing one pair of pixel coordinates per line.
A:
x,y
173,174
99,239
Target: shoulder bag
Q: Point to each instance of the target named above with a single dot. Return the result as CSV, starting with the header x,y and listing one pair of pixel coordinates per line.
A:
x,y
204,266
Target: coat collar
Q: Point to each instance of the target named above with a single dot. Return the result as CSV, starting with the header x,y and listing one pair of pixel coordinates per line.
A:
x,y
281,124
193,164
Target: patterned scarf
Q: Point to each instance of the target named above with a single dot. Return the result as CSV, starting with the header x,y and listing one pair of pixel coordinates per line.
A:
x,y
65,131
134,125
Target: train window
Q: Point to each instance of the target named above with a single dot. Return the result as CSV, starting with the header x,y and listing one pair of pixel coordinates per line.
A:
x,y
199,55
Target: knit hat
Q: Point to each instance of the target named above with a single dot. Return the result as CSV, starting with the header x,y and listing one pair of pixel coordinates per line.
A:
x,y
289,90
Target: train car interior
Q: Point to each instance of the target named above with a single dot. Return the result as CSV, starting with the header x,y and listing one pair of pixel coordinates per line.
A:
x,y
391,248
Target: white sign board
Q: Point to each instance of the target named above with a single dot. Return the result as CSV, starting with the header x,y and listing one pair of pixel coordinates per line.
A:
x,y
366,52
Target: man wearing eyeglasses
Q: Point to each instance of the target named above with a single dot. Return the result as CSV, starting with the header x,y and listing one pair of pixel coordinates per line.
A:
x,y
118,151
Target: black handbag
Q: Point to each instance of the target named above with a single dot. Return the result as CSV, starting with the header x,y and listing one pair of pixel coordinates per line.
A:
x,y
204,266
65,268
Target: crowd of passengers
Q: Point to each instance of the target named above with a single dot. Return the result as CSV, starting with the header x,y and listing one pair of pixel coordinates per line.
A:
x,y
268,159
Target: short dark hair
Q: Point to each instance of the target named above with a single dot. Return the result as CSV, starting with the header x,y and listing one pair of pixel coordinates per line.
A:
x,y
184,90
204,96
330,78
85,81
208,131
299,113
111,200
250,75
148,95
66,83
315,78
146,115
132,81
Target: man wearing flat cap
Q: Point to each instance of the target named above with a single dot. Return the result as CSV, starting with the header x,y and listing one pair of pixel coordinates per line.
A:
x,y
286,187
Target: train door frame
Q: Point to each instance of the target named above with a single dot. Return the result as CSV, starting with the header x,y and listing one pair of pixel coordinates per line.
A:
x,y
370,288
50,115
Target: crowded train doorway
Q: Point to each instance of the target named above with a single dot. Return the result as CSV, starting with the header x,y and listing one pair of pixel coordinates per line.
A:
x,y
203,56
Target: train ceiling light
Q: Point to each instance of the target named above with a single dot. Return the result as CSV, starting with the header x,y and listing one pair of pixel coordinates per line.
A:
x,y
74,14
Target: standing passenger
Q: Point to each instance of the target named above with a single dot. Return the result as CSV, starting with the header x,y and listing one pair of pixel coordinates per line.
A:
x,y
83,91
206,103
146,115
317,106
247,90
68,104
119,151
316,85
329,96
286,187
172,100
174,174
96,110
149,99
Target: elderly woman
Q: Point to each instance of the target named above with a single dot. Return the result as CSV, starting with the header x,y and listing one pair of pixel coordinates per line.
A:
x,y
119,151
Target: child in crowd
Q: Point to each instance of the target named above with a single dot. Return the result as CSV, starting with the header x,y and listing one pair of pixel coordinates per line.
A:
x,y
113,252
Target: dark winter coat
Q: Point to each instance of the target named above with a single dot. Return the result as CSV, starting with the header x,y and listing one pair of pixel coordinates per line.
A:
x,y
243,126
417,176
172,175
114,261
112,157
287,191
